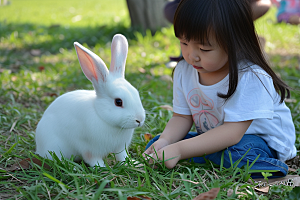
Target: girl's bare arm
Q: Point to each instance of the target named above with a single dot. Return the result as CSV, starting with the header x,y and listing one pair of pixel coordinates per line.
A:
x,y
217,139
177,128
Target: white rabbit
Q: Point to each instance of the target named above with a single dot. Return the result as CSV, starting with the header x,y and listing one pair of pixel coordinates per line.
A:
x,y
92,124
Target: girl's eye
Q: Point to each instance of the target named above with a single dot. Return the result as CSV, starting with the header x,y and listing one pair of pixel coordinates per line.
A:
x,y
183,43
118,102
205,50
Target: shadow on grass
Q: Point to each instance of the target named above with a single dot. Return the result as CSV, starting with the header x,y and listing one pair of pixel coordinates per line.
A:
x,y
19,41
52,38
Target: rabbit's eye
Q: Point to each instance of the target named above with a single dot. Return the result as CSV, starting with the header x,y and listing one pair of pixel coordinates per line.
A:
x,y
118,102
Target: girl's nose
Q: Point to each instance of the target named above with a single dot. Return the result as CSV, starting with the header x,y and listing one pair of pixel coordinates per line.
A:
x,y
194,57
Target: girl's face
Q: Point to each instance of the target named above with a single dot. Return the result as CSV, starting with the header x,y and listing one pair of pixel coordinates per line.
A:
x,y
208,59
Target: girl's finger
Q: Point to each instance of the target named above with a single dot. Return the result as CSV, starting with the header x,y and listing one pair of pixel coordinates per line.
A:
x,y
148,152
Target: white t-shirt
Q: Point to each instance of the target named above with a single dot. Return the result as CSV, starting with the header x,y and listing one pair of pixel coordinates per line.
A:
x,y
255,99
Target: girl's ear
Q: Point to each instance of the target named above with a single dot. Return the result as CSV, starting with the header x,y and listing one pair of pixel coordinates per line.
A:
x,y
92,65
119,50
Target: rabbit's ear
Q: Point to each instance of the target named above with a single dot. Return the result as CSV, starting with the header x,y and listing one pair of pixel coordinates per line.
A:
x,y
92,65
119,50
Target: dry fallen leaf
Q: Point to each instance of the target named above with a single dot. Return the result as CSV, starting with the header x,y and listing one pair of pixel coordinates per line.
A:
x,y
211,194
263,189
25,164
148,136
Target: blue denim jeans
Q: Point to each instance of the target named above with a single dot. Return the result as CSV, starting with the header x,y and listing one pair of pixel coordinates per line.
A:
x,y
267,157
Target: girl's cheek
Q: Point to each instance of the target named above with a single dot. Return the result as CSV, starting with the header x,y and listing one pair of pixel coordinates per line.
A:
x,y
208,63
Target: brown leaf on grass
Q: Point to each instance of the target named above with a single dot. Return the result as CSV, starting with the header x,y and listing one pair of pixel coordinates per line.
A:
x,y
39,163
263,189
211,194
148,136
25,164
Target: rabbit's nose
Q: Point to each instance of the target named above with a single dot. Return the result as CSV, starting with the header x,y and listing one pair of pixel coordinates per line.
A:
x,y
138,122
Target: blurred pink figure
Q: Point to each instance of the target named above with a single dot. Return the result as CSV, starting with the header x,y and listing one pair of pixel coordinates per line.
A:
x,y
288,11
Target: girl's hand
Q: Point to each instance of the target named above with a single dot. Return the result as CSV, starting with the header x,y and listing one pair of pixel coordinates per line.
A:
x,y
156,146
169,153
163,151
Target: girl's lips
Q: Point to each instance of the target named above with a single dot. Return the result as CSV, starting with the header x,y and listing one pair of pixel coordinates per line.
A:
x,y
197,67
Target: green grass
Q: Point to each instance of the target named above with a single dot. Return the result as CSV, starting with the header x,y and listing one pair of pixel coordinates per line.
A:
x,y
30,82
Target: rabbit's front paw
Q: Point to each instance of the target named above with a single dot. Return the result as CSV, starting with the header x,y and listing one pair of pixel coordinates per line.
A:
x,y
121,156
94,161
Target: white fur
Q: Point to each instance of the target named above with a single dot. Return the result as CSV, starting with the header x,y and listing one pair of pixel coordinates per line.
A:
x,y
88,124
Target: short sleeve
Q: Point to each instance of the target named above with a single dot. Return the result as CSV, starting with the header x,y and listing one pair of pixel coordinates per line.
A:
x,y
180,104
253,99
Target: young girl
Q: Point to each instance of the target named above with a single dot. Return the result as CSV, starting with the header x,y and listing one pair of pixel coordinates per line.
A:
x,y
225,86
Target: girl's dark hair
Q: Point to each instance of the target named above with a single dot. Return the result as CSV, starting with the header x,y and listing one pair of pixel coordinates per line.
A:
x,y
231,23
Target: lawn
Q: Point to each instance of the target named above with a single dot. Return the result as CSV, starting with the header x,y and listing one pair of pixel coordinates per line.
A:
x,y
38,63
